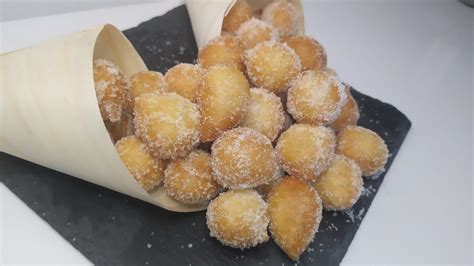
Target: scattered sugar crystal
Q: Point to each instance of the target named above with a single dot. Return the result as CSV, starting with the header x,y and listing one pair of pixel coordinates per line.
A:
x,y
190,245
148,245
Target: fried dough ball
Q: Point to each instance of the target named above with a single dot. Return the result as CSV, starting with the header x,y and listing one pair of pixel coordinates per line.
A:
x,y
283,16
111,89
222,50
238,218
223,97
169,124
272,65
311,52
147,170
305,151
363,146
243,158
349,114
265,113
340,185
190,179
295,212
122,128
316,98
184,80
146,82
255,31
238,14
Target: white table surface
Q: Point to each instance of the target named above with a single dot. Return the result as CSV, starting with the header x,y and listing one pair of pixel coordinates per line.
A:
x,y
416,55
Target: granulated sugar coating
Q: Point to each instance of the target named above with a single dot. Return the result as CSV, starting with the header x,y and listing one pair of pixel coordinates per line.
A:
x,y
238,218
363,146
167,123
190,179
238,14
305,151
146,82
265,113
243,158
340,186
349,114
316,98
272,65
148,171
311,52
283,16
222,50
223,98
184,79
111,89
255,31
295,211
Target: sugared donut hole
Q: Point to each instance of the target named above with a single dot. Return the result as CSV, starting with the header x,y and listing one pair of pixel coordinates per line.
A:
x,y
311,52
190,179
223,99
223,50
238,218
255,31
272,66
363,146
316,98
147,170
305,151
111,89
238,14
167,123
243,158
283,16
349,114
184,79
146,82
265,113
340,185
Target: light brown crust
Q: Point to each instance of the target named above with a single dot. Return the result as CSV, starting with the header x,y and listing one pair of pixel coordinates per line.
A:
x,y
147,170
363,146
238,218
311,52
223,99
283,16
265,113
316,97
167,123
272,65
111,89
223,50
349,114
184,79
238,14
305,151
190,179
243,158
340,185
295,212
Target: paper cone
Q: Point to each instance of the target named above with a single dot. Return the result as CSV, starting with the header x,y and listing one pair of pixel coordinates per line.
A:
x,y
49,113
207,16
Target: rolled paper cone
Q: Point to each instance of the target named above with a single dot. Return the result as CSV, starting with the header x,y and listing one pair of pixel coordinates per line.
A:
x,y
207,16
49,113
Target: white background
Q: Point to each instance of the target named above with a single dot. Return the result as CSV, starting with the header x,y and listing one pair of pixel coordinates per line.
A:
x,y
416,55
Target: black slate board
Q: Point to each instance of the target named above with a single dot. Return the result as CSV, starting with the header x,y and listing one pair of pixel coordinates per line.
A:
x,y
113,229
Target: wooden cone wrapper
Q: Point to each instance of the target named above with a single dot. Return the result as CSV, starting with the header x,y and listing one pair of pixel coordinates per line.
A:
x,y
49,113
207,16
